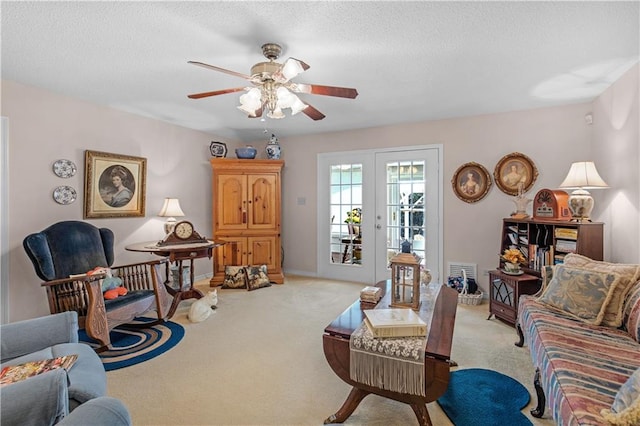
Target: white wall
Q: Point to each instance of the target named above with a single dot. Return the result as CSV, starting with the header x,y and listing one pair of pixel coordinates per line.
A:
x,y
44,127
551,137
616,151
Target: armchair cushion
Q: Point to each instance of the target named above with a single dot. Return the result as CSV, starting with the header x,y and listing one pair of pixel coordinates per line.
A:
x,y
39,400
86,379
54,250
103,411
24,337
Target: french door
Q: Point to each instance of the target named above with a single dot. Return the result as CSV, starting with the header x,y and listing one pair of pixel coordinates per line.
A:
x,y
370,202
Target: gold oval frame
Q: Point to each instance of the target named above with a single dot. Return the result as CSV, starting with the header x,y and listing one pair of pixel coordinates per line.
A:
x,y
471,193
509,180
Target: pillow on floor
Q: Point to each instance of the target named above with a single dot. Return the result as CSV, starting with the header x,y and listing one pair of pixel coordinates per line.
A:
x,y
629,274
625,410
581,293
234,277
257,277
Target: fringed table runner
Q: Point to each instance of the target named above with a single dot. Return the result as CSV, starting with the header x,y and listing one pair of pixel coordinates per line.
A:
x,y
390,363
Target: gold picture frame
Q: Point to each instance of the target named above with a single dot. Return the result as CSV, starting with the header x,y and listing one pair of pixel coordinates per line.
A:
x,y
515,173
471,182
114,185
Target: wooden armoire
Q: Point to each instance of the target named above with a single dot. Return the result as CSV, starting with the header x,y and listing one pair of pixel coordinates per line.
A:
x,y
246,215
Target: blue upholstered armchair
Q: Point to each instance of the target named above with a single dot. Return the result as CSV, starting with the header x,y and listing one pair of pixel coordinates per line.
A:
x,y
77,397
63,253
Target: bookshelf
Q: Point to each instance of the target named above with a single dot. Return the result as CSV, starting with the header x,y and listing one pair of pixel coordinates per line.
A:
x,y
546,242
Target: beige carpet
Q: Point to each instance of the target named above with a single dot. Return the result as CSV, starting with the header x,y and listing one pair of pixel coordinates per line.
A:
x,y
258,360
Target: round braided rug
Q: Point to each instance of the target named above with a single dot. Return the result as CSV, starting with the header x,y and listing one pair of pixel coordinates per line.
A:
x,y
131,346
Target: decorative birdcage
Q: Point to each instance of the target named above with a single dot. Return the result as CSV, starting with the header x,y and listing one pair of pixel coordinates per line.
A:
x,y
405,281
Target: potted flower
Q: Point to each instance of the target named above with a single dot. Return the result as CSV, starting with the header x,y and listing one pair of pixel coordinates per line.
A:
x,y
513,259
353,220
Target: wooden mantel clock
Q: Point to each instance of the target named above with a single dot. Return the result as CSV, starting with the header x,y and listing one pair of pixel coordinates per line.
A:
x,y
183,233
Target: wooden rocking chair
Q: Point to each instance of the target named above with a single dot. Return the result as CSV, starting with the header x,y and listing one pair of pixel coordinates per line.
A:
x,y
63,253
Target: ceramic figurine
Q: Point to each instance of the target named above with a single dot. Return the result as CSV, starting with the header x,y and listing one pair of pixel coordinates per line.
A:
x,y
273,148
201,309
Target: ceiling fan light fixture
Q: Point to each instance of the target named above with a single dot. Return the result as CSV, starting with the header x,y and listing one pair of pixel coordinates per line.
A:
x,y
291,68
250,102
273,91
250,112
285,97
297,106
276,114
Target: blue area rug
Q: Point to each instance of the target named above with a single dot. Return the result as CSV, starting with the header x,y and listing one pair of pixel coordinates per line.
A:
x,y
479,397
131,346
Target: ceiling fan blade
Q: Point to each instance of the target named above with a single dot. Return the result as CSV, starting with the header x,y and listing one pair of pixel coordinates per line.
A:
x,y
213,67
313,113
316,89
216,93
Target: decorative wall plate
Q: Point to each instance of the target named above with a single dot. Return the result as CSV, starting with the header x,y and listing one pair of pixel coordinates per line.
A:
x,y
218,149
64,195
64,168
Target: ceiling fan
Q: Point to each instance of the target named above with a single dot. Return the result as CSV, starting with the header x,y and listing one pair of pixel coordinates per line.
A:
x,y
273,89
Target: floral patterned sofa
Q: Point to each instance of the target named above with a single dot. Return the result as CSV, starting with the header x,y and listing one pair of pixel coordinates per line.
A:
x,y
583,332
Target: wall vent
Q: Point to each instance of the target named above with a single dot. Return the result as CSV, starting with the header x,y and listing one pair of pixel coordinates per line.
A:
x,y
456,268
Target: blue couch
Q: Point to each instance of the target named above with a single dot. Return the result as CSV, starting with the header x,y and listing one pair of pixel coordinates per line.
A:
x,y
49,398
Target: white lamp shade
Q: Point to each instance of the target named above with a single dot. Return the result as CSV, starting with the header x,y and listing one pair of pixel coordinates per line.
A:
x,y
583,175
171,208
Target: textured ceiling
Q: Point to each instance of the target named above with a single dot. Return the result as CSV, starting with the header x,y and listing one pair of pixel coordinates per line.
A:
x,y
409,61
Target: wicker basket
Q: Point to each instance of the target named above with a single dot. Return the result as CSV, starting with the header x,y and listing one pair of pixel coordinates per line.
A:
x,y
470,299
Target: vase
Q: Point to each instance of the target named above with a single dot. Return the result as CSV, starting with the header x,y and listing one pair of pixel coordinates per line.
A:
x,y
512,267
273,148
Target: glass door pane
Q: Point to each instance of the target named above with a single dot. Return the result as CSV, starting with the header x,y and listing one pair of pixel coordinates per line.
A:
x,y
346,214
405,189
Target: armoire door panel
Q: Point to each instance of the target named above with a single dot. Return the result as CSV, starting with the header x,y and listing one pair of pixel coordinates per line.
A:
x,y
262,251
262,201
232,210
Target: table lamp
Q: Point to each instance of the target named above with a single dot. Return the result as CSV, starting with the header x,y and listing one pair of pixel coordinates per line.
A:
x,y
582,175
170,209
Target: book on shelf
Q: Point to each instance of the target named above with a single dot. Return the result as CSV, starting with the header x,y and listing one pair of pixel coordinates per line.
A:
x,y
395,323
370,294
567,246
513,238
566,233
15,373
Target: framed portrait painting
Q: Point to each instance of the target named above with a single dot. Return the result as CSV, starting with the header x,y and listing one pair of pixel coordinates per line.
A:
x,y
114,185
515,174
471,182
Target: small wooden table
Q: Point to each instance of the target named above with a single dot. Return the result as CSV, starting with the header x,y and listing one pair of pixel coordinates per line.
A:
x,y
505,292
178,253
441,310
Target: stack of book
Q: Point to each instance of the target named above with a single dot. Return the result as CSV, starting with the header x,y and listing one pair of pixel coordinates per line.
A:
x,y
395,323
370,295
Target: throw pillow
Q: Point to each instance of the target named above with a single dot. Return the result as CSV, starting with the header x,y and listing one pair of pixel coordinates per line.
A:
x,y
234,277
625,409
581,293
629,275
257,277
631,312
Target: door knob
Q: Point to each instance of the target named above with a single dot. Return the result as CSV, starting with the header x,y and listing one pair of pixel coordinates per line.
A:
x,y
378,226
